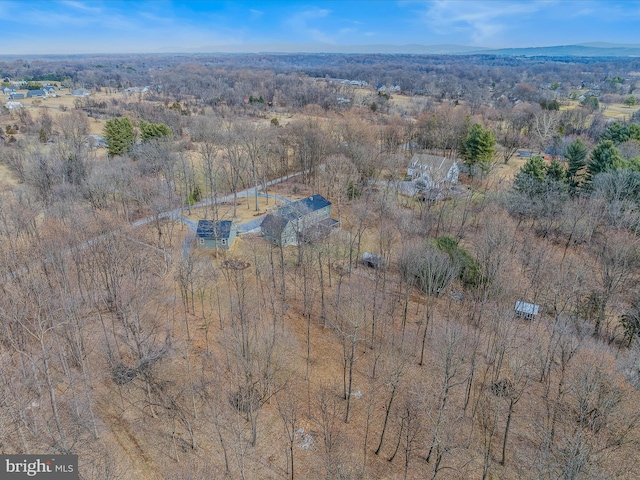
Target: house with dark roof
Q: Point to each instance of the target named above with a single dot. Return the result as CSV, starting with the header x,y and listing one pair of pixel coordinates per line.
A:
x,y
36,93
16,96
303,220
216,235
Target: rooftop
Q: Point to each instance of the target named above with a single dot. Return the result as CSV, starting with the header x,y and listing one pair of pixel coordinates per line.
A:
x,y
524,307
211,229
293,210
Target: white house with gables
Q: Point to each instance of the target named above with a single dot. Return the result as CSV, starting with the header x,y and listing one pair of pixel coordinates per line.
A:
x,y
433,171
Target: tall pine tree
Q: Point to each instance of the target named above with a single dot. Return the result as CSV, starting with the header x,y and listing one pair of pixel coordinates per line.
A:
x,y
149,131
576,153
530,178
478,148
556,172
118,133
603,158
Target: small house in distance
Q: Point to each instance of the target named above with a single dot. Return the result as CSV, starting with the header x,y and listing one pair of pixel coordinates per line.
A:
x,y
526,311
306,219
80,92
433,171
216,235
40,93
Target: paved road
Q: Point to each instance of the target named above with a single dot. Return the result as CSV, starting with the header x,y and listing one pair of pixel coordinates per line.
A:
x,y
252,226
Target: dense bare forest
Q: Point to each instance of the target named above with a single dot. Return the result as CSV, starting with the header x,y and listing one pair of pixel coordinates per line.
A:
x,y
123,342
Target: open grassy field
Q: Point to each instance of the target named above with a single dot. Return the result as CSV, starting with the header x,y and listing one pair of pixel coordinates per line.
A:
x,y
617,111
245,209
62,103
620,111
508,170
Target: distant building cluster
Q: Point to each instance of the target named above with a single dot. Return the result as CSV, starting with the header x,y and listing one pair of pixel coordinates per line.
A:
x,y
353,83
13,94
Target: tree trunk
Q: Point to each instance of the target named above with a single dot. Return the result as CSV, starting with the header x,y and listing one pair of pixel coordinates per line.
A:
x,y
352,357
386,418
506,431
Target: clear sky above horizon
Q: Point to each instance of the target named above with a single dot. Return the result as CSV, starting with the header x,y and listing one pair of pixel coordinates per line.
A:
x,y
157,26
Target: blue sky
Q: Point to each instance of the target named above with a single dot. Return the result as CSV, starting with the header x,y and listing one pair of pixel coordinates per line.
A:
x,y
112,26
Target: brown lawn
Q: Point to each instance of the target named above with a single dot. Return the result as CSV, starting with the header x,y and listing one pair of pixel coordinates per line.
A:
x,y
7,178
245,209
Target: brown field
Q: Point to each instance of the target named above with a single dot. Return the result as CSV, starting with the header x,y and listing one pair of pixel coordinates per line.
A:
x,y
507,171
620,111
245,209
7,178
64,101
617,111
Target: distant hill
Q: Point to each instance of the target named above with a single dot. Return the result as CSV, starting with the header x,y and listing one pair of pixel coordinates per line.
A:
x,y
593,49
610,45
597,49
415,49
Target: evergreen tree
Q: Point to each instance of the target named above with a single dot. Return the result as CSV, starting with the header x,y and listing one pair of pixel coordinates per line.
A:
x,y
616,132
576,153
634,131
478,148
534,167
529,180
118,133
603,158
619,133
539,191
556,172
153,130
